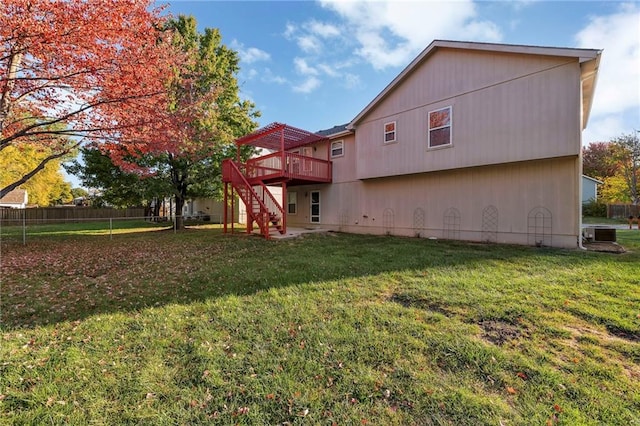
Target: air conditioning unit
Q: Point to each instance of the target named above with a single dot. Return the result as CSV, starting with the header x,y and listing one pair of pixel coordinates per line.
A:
x,y
599,233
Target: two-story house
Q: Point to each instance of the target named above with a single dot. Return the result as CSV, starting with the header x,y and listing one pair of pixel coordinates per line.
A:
x,y
471,141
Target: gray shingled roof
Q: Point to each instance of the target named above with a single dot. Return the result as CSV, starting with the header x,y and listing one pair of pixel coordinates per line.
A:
x,y
334,130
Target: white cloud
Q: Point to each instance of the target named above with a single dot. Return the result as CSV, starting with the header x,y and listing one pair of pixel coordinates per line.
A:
x,y
618,85
251,54
391,33
269,77
351,81
308,36
520,4
308,86
309,43
323,30
303,68
290,30
383,33
329,70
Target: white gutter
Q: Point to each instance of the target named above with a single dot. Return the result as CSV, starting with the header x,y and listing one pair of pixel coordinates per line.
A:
x,y
580,246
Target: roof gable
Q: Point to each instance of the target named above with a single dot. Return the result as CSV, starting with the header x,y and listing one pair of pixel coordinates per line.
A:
x,y
17,196
588,58
596,181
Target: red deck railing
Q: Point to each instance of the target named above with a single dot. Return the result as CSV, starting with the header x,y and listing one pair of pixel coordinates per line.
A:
x,y
250,182
288,165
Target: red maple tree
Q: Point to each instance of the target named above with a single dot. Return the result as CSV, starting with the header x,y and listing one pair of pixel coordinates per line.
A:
x,y
77,71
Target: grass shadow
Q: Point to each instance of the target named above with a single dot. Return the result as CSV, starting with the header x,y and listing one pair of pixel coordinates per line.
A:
x,y
70,277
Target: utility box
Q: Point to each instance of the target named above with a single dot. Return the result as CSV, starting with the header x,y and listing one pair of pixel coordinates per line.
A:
x,y
600,233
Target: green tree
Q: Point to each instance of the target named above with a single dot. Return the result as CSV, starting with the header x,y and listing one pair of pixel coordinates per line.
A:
x,y
118,188
208,111
79,192
627,155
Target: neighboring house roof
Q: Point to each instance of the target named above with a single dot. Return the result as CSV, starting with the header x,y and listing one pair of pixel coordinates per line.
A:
x,y
17,197
335,131
589,60
592,179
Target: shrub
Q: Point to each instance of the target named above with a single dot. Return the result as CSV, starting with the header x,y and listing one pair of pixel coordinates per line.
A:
x,y
594,208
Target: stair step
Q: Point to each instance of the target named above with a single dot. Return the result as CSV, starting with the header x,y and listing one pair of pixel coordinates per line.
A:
x,y
255,197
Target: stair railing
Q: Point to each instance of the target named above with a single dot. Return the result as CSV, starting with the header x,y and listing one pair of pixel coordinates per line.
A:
x,y
273,206
248,196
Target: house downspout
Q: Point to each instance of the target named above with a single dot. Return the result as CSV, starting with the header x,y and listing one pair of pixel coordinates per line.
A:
x,y
583,124
579,174
580,246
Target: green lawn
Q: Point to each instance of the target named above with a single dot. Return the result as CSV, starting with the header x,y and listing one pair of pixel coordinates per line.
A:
x,y
198,327
603,220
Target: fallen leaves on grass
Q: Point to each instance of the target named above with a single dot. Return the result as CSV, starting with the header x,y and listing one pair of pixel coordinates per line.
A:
x,y
50,281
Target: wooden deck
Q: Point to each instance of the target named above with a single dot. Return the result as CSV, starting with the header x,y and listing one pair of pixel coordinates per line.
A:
x,y
295,169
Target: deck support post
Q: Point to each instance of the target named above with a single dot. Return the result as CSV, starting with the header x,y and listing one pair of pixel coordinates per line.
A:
x,y
233,208
285,207
249,208
226,207
284,157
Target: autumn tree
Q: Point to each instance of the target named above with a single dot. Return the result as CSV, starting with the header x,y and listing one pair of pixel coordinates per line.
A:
x,y
598,160
47,187
627,155
205,115
76,71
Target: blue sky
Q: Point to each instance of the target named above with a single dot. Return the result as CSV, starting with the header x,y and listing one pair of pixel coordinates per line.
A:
x,y
316,64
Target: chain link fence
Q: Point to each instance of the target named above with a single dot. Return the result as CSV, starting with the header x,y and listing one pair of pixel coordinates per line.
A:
x,y
23,225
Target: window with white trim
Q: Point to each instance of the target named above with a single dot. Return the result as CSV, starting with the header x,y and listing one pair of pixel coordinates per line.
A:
x,y
315,207
440,127
292,202
390,132
337,149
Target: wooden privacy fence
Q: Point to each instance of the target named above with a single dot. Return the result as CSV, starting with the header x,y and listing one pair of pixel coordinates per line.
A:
x,y
622,211
64,214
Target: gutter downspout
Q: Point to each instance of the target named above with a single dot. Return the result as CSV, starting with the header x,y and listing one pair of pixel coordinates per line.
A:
x,y
582,126
580,246
579,174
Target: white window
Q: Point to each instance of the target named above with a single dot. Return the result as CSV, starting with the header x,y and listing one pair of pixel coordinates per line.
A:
x,y
440,127
292,202
315,207
390,132
337,149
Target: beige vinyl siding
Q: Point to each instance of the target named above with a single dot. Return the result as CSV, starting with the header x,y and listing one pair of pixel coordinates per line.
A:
x,y
505,108
515,190
344,167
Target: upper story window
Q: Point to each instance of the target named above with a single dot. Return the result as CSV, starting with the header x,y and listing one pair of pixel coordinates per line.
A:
x,y
337,149
440,127
390,132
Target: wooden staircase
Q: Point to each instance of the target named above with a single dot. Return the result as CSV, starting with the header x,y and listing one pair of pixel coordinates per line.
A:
x,y
262,207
